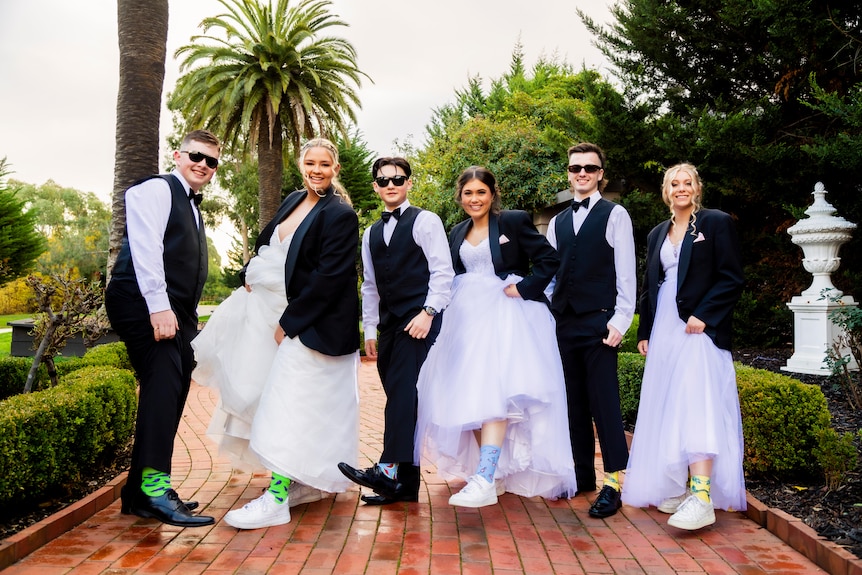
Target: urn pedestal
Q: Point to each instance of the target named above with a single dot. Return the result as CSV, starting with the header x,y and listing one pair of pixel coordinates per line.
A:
x,y
820,235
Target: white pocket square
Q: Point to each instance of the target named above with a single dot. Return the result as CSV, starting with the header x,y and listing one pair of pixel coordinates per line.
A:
x,y
699,237
503,239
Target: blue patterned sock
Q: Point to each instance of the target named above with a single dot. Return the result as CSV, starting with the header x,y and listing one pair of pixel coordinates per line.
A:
x,y
489,455
390,470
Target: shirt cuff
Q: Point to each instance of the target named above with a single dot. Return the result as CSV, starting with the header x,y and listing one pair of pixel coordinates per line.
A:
x,y
158,302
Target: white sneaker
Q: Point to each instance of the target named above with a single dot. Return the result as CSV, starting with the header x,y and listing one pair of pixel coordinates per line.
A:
x,y
264,511
500,487
671,504
299,493
478,492
692,514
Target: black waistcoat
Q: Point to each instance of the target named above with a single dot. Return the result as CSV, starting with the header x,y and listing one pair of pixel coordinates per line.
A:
x,y
586,278
185,253
400,269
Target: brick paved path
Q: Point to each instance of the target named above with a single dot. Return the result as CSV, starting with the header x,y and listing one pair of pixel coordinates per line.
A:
x,y
341,535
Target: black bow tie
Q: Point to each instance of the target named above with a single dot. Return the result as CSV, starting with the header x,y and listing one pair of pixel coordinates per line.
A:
x,y
386,216
582,204
196,197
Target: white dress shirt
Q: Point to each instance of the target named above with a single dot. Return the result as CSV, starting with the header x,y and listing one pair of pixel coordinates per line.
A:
x,y
430,236
148,207
620,236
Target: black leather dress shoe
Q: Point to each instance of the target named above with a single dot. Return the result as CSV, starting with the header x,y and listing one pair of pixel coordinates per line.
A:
x,y
126,503
372,478
402,494
168,508
607,503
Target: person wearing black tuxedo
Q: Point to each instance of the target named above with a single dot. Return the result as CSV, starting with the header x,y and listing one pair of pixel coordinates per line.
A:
x,y
151,301
593,302
491,393
307,417
407,275
687,449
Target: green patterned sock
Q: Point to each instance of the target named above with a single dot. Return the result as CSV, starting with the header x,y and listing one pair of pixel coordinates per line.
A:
x,y
278,487
154,483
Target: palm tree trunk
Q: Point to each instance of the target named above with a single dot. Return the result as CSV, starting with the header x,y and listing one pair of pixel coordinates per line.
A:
x,y
270,166
142,29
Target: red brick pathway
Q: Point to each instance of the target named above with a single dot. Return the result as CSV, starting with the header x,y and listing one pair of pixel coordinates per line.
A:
x,y
341,535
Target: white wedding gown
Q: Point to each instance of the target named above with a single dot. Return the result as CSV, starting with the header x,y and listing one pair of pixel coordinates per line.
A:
x,y
287,408
496,358
689,410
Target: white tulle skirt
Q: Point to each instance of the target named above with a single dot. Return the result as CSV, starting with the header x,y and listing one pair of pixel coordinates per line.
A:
x,y
286,408
496,358
689,411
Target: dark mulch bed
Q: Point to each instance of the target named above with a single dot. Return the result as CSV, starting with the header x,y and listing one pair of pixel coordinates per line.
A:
x,y
15,518
835,515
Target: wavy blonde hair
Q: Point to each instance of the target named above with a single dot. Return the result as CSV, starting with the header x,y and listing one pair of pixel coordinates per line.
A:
x,y
696,184
333,153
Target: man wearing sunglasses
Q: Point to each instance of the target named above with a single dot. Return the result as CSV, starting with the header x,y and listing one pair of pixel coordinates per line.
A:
x,y
407,273
593,300
152,300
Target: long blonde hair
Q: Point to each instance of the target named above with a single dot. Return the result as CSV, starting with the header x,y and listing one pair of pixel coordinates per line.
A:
x,y
696,184
333,152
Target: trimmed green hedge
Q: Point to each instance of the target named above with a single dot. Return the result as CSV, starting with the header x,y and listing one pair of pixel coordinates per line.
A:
x,y
14,370
783,419
47,437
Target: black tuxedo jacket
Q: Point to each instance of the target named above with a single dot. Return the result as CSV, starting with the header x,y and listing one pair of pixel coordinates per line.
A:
x,y
525,245
320,274
710,277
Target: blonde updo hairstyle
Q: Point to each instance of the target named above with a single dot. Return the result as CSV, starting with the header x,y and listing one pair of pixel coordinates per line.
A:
x,y
333,153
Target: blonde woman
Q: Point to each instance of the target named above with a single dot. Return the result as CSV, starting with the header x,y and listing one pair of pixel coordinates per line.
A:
x,y
284,354
686,455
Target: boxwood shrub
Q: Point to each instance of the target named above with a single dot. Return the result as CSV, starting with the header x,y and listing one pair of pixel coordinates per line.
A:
x,y
48,437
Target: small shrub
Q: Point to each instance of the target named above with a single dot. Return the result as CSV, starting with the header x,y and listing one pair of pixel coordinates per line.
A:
x,y
630,370
630,338
782,419
13,376
836,454
48,437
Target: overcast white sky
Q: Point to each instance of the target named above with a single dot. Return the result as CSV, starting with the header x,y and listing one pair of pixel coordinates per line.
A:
x,y
59,61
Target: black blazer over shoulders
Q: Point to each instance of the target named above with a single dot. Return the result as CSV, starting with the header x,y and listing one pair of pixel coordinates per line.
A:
x,y
515,244
320,274
710,277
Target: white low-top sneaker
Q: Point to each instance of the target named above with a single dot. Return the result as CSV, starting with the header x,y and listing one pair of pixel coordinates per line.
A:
x,y
300,493
499,487
478,492
264,511
671,504
692,514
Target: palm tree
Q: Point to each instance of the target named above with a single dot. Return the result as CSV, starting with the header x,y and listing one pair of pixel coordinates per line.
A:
x,y
272,77
142,29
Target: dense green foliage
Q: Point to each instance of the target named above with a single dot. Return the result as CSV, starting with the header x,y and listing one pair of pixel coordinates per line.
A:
x,y
48,437
20,242
76,225
765,98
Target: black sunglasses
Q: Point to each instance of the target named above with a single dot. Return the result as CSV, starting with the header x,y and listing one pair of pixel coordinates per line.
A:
x,y
589,168
212,163
383,181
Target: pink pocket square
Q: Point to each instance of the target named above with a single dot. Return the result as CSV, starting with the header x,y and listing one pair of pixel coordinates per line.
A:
x,y
699,237
503,239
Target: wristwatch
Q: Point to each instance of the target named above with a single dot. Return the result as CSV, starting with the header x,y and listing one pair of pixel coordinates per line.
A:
x,y
429,310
